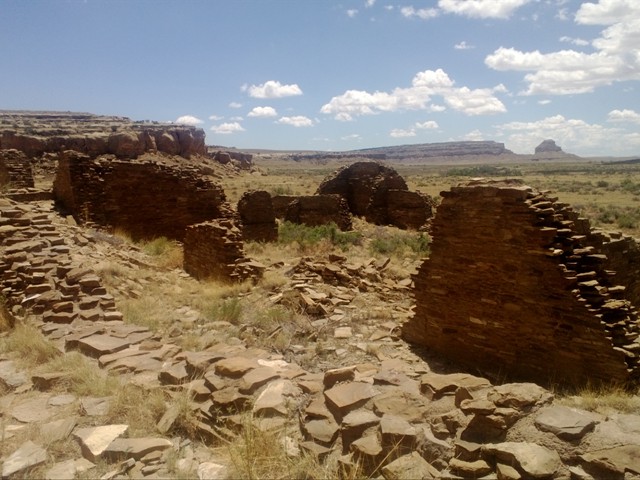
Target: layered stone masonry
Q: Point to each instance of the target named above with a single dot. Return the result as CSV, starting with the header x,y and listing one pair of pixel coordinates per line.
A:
x,y
15,170
258,218
390,416
314,210
514,287
38,274
379,194
215,249
144,198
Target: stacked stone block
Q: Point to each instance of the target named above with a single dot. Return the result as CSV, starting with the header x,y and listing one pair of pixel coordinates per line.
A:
x,y
513,287
258,217
15,170
38,274
314,210
144,198
214,249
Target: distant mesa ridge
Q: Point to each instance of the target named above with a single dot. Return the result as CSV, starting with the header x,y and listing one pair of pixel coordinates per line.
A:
x,y
422,150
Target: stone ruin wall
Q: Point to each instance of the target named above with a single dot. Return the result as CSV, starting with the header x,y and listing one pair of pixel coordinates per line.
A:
x,y
214,249
514,287
15,170
145,199
379,194
315,210
258,218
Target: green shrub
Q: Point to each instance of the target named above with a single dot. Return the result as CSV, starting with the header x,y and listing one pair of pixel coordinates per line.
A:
x,y
306,236
157,246
396,243
483,171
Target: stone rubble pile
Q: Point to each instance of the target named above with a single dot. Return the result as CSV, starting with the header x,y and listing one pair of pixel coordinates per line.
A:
x,y
539,303
392,416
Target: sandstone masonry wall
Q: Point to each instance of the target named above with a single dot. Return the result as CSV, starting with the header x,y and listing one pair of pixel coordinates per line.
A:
x,y
214,249
146,199
512,286
258,217
15,170
379,194
314,210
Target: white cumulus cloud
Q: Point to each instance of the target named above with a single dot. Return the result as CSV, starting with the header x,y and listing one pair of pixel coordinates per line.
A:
x,y
623,116
400,133
424,85
263,112
215,118
188,120
235,105
482,8
463,45
575,41
422,13
428,125
352,12
227,128
296,121
272,89
616,57
573,135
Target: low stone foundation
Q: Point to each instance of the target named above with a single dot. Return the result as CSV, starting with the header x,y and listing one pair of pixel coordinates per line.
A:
x,y
514,286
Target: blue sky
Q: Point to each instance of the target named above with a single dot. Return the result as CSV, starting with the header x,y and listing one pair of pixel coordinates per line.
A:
x,y
337,75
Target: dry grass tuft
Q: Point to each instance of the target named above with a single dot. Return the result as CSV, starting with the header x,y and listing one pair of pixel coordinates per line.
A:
x,y
83,376
138,407
29,346
604,399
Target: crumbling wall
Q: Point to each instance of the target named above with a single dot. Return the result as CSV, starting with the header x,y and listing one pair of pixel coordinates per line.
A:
x,y
258,217
364,185
145,199
214,249
15,170
409,210
313,210
379,194
512,286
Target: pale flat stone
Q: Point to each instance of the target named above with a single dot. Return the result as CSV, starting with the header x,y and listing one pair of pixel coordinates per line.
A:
x,y
99,345
339,375
10,377
211,471
625,458
95,406
28,455
566,423
58,429
476,469
435,385
348,396
324,430
95,440
520,395
62,471
409,466
256,378
33,410
61,400
534,460
396,426
135,448
235,367
274,397
368,445
342,332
